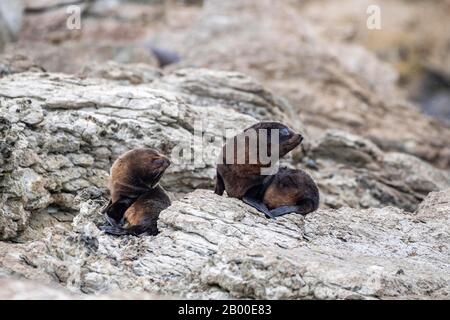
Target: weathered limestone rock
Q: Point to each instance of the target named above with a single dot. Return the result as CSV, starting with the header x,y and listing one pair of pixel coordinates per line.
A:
x,y
108,30
60,135
22,289
126,74
229,89
15,63
352,171
10,21
15,289
357,94
218,247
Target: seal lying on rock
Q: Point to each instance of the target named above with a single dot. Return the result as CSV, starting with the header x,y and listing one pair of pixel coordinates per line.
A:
x,y
240,173
291,191
136,197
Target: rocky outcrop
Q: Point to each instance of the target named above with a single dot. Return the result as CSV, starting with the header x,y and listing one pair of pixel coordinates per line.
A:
x,y
15,289
10,21
330,84
382,167
353,171
217,247
21,289
317,64
61,133
409,40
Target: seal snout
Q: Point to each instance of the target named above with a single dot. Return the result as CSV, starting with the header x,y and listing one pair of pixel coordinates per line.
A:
x,y
296,139
161,162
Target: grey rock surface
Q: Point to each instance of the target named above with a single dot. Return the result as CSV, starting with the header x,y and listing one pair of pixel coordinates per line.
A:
x,y
60,135
330,84
10,21
218,247
380,233
353,171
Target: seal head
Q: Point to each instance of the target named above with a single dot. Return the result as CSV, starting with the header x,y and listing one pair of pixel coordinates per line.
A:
x,y
134,173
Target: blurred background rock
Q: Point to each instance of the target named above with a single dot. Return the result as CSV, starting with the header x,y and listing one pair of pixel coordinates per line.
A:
x,y
413,39
373,106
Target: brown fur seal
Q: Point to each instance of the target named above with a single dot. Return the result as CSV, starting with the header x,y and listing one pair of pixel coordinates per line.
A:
x,y
291,191
136,197
243,180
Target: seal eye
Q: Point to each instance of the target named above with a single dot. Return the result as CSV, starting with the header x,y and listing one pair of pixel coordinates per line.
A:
x,y
284,132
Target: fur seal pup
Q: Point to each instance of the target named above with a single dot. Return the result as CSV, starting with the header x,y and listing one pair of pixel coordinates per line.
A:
x,y
290,191
243,179
136,197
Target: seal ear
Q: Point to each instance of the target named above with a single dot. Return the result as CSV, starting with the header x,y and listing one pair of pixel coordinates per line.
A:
x,y
220,186
115,211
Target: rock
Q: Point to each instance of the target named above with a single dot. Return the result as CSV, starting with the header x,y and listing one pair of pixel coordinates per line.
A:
x,y
22,289
127,74
10,21
357,94
15,289
107,31
218,247
207,87
352,171
15,63
408,39
77,58
62,133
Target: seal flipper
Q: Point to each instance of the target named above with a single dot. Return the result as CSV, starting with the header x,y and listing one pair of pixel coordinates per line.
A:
x,y
258,205
220,186
254,195
119,231
303,208
115,211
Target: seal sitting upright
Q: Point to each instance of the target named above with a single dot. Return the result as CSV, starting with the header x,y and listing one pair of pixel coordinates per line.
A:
x,y
136,197
240,171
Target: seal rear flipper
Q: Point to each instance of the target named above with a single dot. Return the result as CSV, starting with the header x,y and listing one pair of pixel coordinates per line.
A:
x,y
220,186
114,230
134,230
303,208
258,205
115,211
281,211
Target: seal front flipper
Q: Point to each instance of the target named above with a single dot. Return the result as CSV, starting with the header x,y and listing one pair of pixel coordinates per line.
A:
x,y
258,205
220,186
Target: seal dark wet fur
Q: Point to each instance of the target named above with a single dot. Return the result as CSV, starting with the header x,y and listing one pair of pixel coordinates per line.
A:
x,y
136,197
244,180
291,191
